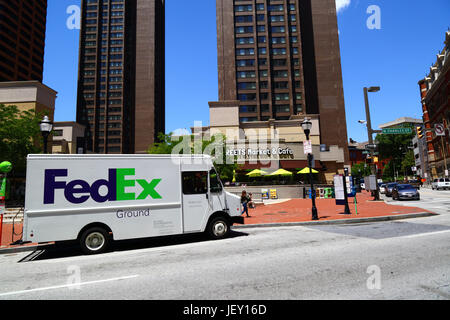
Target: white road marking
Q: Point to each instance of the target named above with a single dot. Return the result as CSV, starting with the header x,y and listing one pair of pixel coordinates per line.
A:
x,y
423,234
67,285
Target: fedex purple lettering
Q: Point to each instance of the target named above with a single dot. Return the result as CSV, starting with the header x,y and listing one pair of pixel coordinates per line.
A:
x,y
79,191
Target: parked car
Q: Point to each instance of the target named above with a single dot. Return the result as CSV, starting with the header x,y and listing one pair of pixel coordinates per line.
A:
x,y
389,188
405,192
442,183
383,188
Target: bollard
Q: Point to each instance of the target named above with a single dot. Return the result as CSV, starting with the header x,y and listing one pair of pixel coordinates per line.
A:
x,y
1,228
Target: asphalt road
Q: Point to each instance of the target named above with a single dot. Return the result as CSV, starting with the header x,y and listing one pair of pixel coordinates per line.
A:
x,y
408,259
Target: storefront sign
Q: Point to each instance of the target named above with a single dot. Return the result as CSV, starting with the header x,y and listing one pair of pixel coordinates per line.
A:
x,y
267,152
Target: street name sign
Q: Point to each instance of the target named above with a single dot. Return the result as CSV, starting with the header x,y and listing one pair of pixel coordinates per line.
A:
x,y
397,131
370,146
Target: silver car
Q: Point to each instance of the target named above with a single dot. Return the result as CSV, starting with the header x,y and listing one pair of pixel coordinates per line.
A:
x,y
405,192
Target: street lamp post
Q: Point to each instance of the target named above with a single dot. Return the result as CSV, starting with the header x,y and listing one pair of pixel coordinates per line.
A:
x,y
46,126
370,133
307,125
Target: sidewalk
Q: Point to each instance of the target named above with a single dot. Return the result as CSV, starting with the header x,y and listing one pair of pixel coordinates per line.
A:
x,y
297,211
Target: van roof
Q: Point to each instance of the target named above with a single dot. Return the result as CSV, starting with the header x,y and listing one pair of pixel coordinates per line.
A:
x,y
112,156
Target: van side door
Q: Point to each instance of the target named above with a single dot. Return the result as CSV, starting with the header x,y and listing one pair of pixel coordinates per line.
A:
x,y
195,200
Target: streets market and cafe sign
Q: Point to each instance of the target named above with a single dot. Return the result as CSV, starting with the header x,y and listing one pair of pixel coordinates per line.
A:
x,y
261,152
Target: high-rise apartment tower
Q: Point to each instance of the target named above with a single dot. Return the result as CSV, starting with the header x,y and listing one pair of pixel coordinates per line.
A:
x,y
22,39
281,59
121,98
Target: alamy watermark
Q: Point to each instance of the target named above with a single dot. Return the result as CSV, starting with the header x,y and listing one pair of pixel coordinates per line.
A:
x,y
374,20
374,280
74,278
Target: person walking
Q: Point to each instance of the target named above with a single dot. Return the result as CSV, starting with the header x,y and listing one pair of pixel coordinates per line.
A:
x,y
245,200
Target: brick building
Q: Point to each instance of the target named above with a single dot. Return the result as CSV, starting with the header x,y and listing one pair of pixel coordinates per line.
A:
x,y
435,97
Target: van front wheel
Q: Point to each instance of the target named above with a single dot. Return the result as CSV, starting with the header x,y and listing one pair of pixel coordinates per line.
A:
x,y
94,241
218,228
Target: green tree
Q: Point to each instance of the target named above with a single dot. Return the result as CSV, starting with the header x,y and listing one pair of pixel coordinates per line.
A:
x,y
408,162
396,148
19,132
361,170
393,146
190,144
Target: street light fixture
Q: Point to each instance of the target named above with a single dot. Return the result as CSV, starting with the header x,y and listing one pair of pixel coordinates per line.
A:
x,y
46,126
306,126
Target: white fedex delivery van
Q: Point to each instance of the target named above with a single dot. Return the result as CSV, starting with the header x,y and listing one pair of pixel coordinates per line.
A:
x,y
95,199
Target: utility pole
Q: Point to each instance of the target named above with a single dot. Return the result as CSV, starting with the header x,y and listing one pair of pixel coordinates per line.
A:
x,y
370,133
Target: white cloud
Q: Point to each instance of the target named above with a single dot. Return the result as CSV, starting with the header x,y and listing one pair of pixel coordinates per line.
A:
x,y
342,4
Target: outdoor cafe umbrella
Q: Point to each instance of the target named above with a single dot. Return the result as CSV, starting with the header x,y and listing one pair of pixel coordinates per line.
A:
x,y
281,172
306,171
256,173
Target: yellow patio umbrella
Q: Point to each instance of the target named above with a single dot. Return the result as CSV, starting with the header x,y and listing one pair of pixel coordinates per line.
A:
x,y
281,172
256,173
306,171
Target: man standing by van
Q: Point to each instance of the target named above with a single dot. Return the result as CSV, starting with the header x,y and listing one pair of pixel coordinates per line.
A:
x,y
245,199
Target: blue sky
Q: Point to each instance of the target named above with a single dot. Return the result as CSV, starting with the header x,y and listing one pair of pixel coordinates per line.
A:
x,y
394,57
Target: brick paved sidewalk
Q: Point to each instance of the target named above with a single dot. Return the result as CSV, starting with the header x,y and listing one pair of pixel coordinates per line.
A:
x,y
299,210
296,210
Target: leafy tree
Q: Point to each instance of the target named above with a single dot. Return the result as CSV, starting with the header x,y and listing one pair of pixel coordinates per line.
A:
x,y
388,172
361,170
397,149
393,146
19,132
190,144
408,162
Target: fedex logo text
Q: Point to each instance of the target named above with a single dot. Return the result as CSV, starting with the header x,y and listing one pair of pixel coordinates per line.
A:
x,y
79,191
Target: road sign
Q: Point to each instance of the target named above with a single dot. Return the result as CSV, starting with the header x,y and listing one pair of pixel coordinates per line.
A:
x,y
439,129
397,131
370,146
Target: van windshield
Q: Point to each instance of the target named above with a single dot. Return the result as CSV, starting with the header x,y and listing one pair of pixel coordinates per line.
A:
x,y
214,181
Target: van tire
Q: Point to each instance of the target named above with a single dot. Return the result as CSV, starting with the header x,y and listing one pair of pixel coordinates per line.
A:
x,y
94,241
218,228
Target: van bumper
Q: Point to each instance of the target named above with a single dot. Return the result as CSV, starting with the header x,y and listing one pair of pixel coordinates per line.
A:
x,y
237,220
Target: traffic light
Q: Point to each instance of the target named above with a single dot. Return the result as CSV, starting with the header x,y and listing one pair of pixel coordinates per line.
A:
x,y
419,131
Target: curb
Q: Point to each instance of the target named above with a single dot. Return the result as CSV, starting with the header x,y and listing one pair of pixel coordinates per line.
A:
x,y
269,225
339,221
23,248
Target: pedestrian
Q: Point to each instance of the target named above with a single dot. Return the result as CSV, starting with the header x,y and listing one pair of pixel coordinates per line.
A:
x,y
251,204
244,200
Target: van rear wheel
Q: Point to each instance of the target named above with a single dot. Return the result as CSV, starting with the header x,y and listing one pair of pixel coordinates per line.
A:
x,y
218,228
94,241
